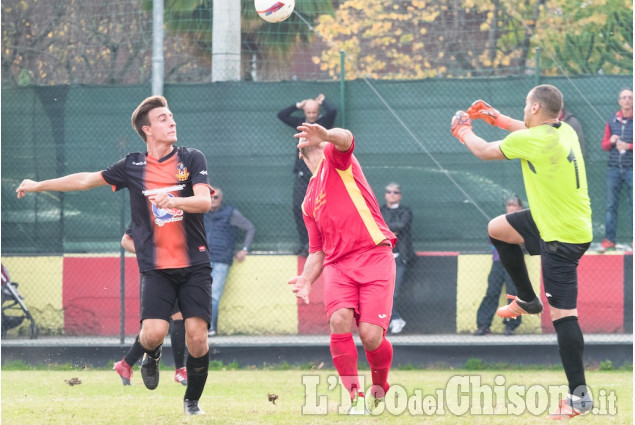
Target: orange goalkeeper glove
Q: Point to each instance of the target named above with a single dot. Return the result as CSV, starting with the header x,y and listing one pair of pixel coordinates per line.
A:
x,y
461,125
484,111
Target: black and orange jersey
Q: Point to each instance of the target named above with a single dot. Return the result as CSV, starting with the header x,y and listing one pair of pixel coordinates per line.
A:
x,y
163,238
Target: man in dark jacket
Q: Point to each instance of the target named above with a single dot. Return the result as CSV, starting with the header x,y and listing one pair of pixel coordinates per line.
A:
x,y
311,109
399,220
495,280
221,222
572,120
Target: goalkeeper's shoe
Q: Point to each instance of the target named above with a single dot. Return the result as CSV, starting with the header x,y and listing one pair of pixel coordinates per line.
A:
x,y
519,307
484,111
461,125
150,370
571,407
124,370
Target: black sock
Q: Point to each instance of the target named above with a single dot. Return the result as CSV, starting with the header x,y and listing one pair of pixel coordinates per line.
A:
x,y
196,375
513,260
156,353
135,353
571,345
177,336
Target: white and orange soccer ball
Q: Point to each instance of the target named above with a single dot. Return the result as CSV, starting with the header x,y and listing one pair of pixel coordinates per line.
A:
x,y
274,11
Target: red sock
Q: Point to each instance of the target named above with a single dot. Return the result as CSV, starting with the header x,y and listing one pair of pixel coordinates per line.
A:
x,y
380,360
344,353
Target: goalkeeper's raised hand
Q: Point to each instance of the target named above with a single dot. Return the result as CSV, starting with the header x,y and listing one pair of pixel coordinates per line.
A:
x,y
461,125
484,111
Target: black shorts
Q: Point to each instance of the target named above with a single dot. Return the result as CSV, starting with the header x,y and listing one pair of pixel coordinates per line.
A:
x,y
190,288
559,261
175,308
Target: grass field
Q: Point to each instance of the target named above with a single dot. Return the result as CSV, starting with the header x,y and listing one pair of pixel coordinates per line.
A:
x,y
241,397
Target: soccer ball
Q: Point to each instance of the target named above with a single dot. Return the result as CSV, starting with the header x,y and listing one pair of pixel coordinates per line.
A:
x,y
274,11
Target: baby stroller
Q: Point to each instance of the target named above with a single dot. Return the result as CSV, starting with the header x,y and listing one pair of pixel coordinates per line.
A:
x,y
14,311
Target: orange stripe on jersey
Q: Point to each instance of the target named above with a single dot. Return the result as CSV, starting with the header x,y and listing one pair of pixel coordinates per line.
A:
x,y
170,243
360,204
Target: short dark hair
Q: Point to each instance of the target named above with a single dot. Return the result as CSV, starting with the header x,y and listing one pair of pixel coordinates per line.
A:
x,y
515,199
140,114
549,98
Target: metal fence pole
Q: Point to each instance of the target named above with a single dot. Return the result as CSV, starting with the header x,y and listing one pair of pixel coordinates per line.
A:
x,y
122,260
343,87
537,69
157,47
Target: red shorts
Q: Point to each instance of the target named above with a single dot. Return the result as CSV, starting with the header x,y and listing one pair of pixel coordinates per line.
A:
x,y
364,282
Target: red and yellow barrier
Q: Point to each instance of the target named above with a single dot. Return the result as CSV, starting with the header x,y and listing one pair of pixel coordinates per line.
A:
x,y
80,295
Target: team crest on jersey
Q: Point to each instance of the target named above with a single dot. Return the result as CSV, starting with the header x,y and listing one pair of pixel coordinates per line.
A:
x,y
182,174
320,200
166,215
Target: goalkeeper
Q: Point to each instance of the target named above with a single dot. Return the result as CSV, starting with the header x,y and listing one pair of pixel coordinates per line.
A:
x,y
557,225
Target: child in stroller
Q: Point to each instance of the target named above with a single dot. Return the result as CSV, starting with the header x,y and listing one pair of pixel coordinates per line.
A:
x,y
14,311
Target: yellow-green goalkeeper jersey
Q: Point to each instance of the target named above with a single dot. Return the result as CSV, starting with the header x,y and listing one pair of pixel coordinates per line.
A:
x,y
555,181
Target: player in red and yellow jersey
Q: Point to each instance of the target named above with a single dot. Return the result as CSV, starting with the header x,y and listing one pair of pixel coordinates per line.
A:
x,y
351,245
169,192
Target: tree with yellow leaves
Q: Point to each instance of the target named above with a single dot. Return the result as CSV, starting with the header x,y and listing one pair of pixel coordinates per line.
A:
x,y
463,38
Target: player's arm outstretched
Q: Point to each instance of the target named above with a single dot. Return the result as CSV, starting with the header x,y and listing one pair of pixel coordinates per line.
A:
x,y
301,285
69,183
462,129
314,134
484,111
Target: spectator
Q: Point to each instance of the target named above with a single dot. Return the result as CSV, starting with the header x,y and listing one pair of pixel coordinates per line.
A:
x,y
573,121
220,224
311,109
497,277
177,337
618,141
398,217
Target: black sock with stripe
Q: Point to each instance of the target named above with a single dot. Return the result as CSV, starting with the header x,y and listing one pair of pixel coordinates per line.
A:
x,y
196,375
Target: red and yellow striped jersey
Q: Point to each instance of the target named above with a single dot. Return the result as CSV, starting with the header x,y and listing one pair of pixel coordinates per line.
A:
x,y
340,210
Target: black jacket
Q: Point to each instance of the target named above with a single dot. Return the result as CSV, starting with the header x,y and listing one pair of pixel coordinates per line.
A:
x,y
325,121
399,221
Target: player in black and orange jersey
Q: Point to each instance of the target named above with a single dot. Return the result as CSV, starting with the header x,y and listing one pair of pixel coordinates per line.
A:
x,y
177,336
169,192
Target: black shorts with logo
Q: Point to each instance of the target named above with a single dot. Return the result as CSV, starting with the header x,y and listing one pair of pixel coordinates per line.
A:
x,y
559,260
189,287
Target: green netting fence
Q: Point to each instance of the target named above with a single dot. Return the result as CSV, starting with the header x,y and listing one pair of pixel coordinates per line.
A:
x,y
402,135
